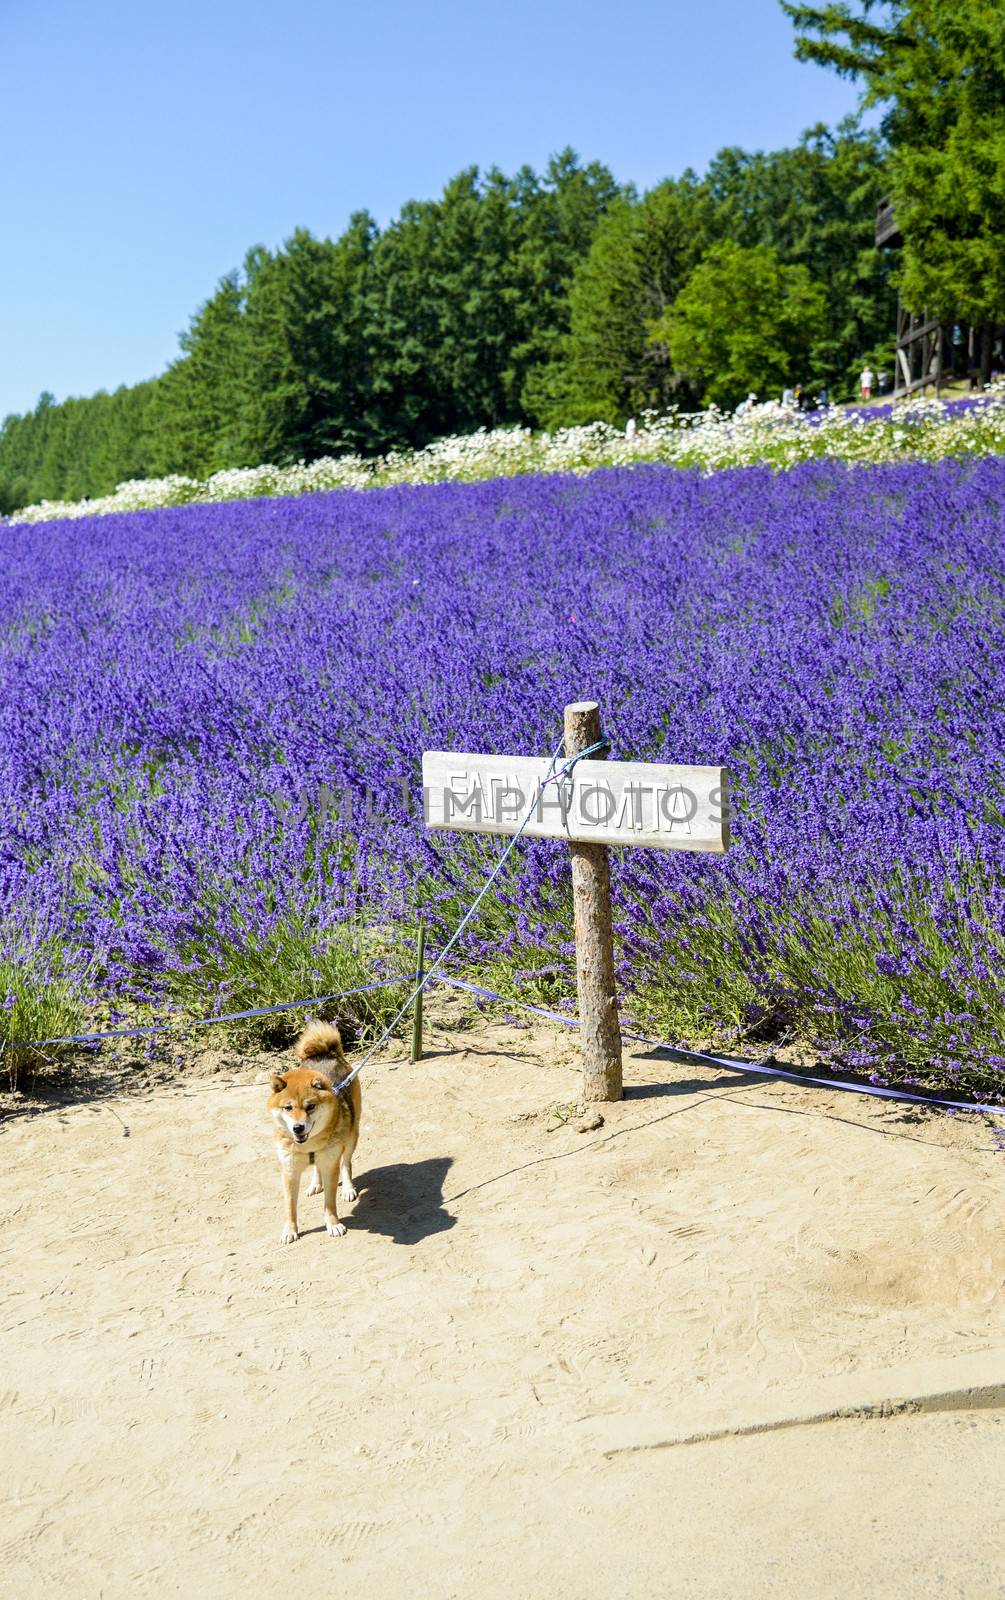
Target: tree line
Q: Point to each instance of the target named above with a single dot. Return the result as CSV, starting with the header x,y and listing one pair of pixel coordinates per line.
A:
x,y
566,297
544,299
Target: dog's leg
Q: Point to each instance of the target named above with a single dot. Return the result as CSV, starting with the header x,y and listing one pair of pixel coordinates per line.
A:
x,y
328,1171
315,1186
346,1189
291,1187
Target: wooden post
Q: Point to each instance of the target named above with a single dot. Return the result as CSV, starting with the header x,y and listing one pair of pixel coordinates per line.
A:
x,y
420,968
600,1030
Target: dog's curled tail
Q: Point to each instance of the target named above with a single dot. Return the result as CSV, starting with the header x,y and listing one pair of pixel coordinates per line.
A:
x,y
320,1041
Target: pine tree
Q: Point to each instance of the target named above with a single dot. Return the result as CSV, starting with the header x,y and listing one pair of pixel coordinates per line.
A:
x,y
199,396
938,69
614,360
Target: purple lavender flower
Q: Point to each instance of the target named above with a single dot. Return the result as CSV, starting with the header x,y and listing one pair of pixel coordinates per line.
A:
x,y
835,636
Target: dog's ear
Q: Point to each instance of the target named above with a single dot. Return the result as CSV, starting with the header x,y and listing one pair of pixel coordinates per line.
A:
x,y
278,1084
320,1083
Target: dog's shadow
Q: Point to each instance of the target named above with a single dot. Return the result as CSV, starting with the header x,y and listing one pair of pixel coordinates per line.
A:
x,y
403,1201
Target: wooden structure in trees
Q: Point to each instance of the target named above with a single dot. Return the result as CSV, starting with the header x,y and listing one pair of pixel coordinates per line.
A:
x,y
930,352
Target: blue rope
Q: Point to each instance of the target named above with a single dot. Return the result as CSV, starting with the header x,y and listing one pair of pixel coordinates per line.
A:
x,y
204,1022
733,1065
367,988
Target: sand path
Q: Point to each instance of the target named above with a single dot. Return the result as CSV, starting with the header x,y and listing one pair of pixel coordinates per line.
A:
x,y
473,1391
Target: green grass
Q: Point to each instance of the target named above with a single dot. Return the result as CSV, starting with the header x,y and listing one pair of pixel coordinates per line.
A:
x,y
230,973
715,984
36,1002
821,985
233,973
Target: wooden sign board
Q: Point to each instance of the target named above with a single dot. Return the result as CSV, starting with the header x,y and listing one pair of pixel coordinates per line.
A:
x,y
600,802
594,804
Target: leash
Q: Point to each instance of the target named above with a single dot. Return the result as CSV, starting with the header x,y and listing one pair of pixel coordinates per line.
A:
x,y
552,776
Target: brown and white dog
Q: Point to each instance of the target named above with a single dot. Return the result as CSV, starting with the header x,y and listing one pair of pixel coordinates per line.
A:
x,y
315,1126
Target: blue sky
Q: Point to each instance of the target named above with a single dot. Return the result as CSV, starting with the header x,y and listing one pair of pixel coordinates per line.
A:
x,y
146,144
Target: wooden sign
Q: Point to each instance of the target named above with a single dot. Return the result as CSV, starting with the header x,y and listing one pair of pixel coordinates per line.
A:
x,y
600,802
596,804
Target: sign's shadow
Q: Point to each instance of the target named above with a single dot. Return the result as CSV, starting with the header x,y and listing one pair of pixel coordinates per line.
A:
x,y
685,1086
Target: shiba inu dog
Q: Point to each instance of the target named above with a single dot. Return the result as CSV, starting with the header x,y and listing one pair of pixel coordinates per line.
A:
x,y
315,1126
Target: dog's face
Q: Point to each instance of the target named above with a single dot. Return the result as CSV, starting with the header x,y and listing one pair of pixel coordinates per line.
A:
x,y
301,1102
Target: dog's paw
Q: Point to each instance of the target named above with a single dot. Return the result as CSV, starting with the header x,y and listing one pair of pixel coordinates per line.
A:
x,y
346,1191
316,1186
335,1228
289,1235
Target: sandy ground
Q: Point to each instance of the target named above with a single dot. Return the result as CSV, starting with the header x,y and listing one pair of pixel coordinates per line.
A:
x,y
542,1361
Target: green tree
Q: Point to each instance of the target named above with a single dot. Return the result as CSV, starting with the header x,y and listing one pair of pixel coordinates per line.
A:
x,y
359,344
305,384
938,69
745,323
79,448
615,360
403,327
129,442
815,204
559,217
470,294
199,400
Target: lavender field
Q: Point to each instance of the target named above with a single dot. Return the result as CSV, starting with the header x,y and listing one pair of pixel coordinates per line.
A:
x,y
190,695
